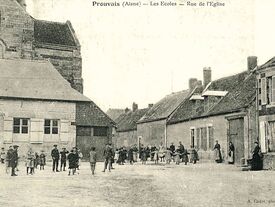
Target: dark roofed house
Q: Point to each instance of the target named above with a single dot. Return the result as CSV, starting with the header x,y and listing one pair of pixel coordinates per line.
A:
x,y
231,116
127,128
93,128
151,128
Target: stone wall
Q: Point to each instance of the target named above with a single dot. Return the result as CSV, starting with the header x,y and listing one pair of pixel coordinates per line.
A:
x,y
17,41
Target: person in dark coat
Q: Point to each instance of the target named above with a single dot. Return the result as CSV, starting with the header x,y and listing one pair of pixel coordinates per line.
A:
x,y
153,150
73,161
8,159
131,155
63,156
217,150
231,153
55,157
181,150
172,147
256,162
14,160
108,156
42,160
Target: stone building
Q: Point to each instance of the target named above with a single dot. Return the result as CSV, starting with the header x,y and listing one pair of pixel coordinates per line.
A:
x,y
22,36
126,132
266,111
222,110
37,106
152,127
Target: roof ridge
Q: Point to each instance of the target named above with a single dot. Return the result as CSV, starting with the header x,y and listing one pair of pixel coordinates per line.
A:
x,y
49,21
223,78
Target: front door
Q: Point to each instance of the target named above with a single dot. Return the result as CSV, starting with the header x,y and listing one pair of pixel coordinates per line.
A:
x,y
236,136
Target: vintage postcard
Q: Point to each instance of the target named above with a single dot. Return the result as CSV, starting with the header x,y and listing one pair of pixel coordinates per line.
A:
x,y
150,103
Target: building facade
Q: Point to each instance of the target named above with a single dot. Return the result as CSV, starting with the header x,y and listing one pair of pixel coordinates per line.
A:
x,y
223,110
37,106
266,111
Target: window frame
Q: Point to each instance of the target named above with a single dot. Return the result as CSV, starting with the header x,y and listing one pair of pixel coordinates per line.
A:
x,y
21,126
51,126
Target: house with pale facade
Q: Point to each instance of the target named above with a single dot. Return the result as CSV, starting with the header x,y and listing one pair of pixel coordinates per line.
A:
x,y
222,110
37,106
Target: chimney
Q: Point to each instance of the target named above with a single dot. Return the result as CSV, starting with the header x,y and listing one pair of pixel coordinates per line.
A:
x,y
192,83
134,107
22,4
150,105
207,76
199,83
252,62
126,110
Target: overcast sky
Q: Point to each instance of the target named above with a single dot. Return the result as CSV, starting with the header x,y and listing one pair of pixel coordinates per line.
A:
x,y
142,54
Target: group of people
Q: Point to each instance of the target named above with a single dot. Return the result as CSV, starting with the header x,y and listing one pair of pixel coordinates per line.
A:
x,y
156,154
10,158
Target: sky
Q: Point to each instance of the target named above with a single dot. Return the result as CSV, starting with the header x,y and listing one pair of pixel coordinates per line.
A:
x,y
141,54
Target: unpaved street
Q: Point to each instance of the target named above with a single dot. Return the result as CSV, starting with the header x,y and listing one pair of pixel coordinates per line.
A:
x,y
204,184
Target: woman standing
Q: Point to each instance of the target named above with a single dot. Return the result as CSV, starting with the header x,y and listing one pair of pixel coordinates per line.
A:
x,y
256,163
217,150
231,154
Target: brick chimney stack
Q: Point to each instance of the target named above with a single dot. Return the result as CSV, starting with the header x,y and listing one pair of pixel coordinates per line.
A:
x,y
134,107
207,76
23,4
252,62
192,83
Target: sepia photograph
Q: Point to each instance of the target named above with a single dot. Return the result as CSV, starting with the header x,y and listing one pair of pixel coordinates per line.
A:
x,y
138,103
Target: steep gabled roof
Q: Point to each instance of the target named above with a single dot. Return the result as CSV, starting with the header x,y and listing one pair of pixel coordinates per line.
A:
x,y
54,33
28,79
89,114
235,85
115,113
165,107
128,121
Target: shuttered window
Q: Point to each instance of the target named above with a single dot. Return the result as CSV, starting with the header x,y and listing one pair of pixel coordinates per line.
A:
x,y
51,126
20,126
263,90
273,89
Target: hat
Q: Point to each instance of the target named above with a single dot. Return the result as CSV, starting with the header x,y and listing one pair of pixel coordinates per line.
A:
x,y
3,148
15,146
256,142
63,147
55,145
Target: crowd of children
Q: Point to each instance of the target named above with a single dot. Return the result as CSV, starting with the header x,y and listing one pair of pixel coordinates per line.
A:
x,y
156,154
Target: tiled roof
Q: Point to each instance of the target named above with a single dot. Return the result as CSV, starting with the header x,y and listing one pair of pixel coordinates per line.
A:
x,y
115,113
53,33
165,107
35,80
235,85
270,63
243,94
128,121
89,114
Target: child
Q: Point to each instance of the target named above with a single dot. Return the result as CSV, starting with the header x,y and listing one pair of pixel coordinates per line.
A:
x,y
3,155
30,161
37,160
73,161
116,156
193,155
156,156
168,156
63,155
93,158
42,160
177,156
80,156
185,156
143,156
8,159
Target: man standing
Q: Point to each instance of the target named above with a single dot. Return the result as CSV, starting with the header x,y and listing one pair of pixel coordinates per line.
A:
x,y
181,149
63,156
14,160
55,157
108,154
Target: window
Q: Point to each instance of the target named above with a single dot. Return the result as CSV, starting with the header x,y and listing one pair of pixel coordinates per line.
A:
x,y
20,126
51,126
100,131
211,137
83,131
192,135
